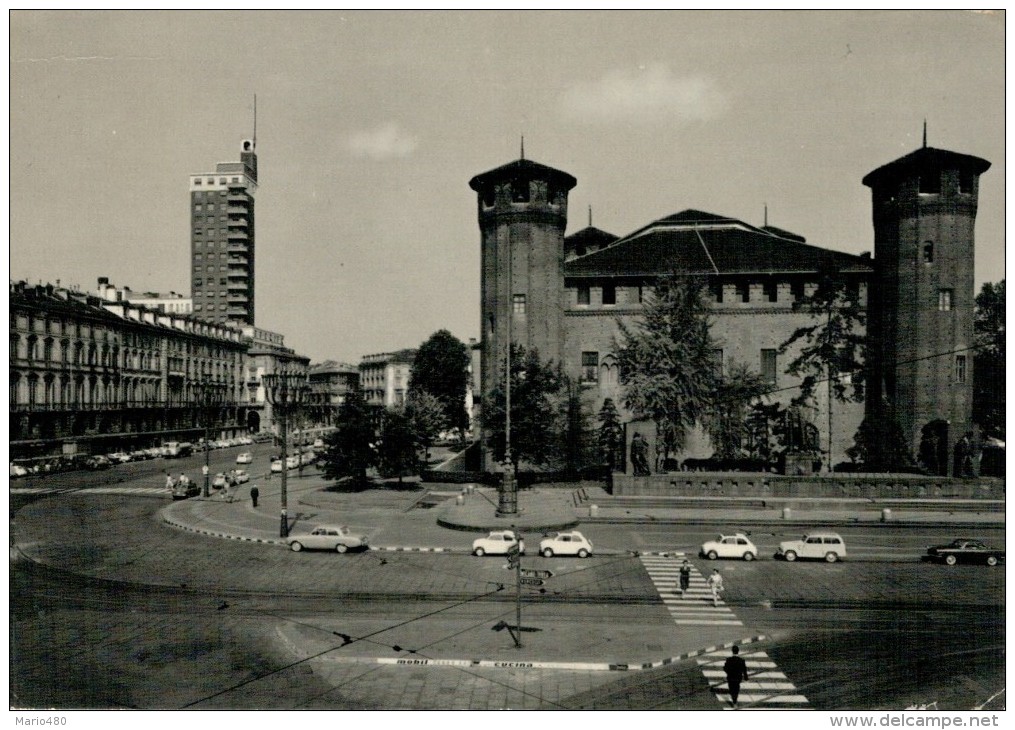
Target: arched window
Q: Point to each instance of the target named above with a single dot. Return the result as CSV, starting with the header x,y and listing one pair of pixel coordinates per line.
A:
x,y
928,252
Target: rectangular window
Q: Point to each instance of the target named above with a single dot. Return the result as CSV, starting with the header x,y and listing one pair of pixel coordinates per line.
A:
x,y
584,296
966,183
930,184
518,303
590,367
768,366
717,362
960,368
944,300
609,294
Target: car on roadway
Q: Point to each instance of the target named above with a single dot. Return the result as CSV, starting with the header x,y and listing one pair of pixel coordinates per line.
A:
x,y
327,537
498,542
964,550
565,543
241,476
118,457
276,466
245,458
219,481
827,546
97,462
729,546
18,471
185,489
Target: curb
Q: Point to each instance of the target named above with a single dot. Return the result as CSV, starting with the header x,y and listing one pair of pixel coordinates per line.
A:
x,y
514,664
226,535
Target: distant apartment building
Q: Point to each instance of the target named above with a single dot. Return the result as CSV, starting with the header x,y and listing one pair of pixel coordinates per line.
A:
x,y
88,374
222,239
330,382
384,377
266,354
171,303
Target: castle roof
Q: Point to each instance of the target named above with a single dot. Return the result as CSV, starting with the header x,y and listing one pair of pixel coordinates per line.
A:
x,y
589,239
697,242
923,159
522,168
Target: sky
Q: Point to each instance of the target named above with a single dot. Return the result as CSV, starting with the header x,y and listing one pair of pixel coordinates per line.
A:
x,y
371,123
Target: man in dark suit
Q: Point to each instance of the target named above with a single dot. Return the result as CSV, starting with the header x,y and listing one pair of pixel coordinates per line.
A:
x,y
736,672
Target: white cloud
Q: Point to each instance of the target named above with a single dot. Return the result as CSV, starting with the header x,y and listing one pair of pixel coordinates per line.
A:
x,y
649,93
383,142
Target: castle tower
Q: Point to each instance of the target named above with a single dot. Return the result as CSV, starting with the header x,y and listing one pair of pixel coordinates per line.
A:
x,y
920,313
222,239
522,210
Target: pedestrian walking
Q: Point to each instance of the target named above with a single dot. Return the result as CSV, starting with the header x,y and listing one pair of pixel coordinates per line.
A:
x,y
685,577
170,482
716,585
736,672
254,494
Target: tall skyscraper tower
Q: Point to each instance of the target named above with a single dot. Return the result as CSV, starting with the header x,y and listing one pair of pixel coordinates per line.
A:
x,y
222,239
920,313
522,216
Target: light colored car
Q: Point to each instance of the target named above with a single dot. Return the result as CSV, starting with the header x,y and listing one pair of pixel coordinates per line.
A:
x,y
292,462
327,537
565,543
219,481
18,471
318,443
118,457
816,545
241,476
497,543
729,546
276,466
245,458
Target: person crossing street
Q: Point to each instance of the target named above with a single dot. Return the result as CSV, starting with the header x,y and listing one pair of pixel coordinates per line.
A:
x,y
715,584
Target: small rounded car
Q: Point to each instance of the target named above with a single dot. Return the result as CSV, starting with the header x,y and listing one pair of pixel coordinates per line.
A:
x,y
826,546
565,543
498,542
327,537
729,546
184,490
245,458
241,476
219,481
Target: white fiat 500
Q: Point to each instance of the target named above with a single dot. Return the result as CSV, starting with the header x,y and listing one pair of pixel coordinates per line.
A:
x,y
729,546
498,542
565,543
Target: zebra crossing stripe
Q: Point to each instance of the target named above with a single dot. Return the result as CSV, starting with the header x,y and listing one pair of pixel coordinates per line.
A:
x,y
692,608
767,689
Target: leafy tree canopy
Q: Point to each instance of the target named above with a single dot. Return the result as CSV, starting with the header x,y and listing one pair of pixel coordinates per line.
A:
x,y
396,447
426,419
349,451
989,360
537,395
441,368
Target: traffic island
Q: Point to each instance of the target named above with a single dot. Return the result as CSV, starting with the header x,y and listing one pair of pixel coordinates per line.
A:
x,y
475,510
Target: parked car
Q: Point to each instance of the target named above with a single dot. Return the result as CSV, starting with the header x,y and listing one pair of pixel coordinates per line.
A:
x,y
729,546
183,490
497,543
118,457
241,476
219,481
18,471
817,545
97,462
964,550
276,466
245,458
318,443
292,462
565,543
327,537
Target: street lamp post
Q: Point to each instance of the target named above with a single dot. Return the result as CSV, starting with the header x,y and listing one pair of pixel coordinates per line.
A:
x,y
209,397
285,390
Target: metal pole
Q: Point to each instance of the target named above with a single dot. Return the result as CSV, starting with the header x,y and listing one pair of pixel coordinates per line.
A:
x,y
518,591
284,518
508,502
207,450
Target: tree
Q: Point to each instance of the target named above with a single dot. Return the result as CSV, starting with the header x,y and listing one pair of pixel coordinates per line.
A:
x,y
536,397
611,435
666,360
833,345
575,418
349,451
734,393
880,446
397,445
989,360
427,418
441,368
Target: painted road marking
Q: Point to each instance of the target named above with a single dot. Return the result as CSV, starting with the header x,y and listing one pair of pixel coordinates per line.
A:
x,y
766,687
693,608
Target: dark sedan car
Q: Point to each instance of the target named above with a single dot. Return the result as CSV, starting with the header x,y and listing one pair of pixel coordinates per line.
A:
x,y
965,551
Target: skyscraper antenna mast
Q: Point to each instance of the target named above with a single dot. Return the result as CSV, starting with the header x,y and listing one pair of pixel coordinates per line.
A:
x,y
255,122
